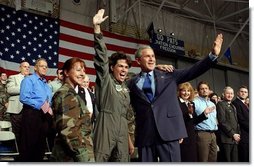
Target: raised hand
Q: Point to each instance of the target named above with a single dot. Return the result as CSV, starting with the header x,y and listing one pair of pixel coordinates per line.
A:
x,y
217,44
98,18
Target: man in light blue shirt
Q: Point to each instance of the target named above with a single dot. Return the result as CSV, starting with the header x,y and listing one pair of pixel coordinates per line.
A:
x,y
36,96
206,139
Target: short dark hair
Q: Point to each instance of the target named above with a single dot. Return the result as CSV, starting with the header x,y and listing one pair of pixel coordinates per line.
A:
x,y
213,94
203,82
119,56
243,86
58,70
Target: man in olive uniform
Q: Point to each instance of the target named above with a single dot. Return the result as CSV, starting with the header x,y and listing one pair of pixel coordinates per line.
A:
x,y
3,103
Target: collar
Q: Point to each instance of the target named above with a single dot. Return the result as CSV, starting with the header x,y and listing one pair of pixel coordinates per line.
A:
x,y
40,78
204,99
151,73
241,99
181,100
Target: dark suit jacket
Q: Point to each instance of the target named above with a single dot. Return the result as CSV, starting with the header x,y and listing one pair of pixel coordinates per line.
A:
x,y
228,123
243,119
162,116
82,94
191,122
188,147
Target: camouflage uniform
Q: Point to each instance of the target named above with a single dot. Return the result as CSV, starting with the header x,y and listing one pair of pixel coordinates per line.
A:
x,y
73,141
4,116
116,117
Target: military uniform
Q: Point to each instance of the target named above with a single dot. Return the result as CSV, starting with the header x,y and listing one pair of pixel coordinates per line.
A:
x,y
73,141
4,116
116,118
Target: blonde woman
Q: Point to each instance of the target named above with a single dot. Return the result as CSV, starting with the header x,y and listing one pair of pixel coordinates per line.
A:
x,y
188,146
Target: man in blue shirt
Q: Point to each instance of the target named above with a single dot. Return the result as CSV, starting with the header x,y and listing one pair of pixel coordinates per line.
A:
x,y
35,95
206,140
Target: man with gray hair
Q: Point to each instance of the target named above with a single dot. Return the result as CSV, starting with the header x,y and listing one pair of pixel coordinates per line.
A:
x,y
15,106
229,130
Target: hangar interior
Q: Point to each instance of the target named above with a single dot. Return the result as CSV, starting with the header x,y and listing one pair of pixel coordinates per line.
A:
x,y
196,22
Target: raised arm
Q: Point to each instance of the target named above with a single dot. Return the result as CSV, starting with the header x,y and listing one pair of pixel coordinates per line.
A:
x,y
98,19
217,45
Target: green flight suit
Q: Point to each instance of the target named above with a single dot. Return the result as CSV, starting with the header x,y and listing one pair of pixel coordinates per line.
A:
x,y
116,118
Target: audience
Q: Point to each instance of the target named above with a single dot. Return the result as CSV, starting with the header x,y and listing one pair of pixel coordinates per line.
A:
x,y
229,131
189,144
35,95
57,82
15,106
3,103
206,138
243,119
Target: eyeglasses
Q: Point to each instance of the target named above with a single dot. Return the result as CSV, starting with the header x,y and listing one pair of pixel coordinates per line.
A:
x,y
42,66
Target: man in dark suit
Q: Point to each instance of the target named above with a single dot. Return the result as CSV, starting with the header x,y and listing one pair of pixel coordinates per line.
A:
x,y
243,120
229,130
88,97
159,120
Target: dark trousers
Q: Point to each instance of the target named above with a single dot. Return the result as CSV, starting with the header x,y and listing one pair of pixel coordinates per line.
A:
x,y
33,135
16,125
230,152
163,152
243,149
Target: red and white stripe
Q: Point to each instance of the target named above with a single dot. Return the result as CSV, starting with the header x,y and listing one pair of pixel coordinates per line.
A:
x,y
78,41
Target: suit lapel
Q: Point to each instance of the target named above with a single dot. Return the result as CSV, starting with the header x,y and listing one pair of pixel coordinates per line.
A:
x,y
159,79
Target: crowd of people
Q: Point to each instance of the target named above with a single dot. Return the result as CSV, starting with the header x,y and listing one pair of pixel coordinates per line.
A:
x,y
156,111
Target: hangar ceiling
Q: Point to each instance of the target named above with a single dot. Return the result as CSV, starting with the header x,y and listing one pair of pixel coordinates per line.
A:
x,y
227,15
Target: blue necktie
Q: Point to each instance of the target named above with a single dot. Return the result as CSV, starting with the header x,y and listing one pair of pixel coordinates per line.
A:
x,y
147,88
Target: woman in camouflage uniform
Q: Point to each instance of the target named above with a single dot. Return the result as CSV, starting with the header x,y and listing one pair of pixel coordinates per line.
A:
x,y
112,136
73,140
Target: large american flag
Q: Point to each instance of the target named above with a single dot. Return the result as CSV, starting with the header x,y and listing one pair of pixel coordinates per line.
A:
x,y
28,36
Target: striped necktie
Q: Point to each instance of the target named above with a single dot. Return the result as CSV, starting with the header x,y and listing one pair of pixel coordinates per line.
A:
x,y
147,88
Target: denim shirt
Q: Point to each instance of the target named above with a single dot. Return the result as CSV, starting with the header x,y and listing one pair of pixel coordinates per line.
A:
x,y
34,91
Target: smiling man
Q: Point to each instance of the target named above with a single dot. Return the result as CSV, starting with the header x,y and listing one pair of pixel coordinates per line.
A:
x,y
36,96
159,120
229,130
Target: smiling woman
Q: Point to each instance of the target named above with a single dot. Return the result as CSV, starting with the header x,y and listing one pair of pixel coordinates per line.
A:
x,y
119,64
115,122
73,141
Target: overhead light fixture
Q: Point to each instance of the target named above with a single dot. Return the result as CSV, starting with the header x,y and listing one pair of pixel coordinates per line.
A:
x,y
159,30
76,2
172,34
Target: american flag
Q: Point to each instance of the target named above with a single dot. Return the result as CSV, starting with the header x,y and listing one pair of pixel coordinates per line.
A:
x,y
27,36
75,40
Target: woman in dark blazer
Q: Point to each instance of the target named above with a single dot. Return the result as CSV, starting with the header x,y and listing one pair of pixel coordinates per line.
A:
x,y
188,146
